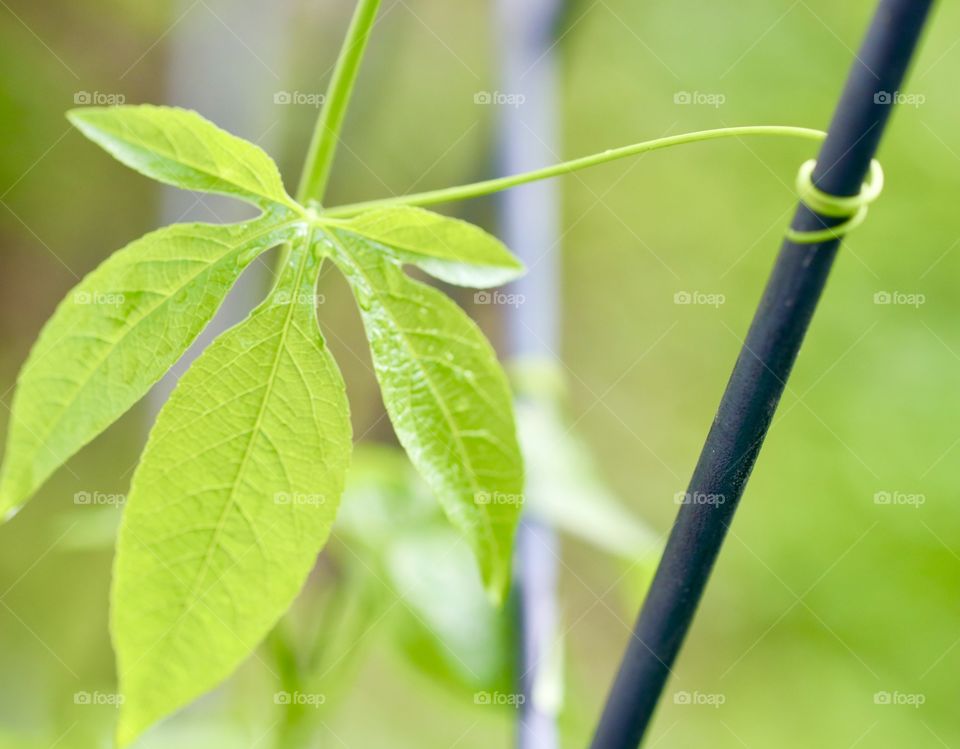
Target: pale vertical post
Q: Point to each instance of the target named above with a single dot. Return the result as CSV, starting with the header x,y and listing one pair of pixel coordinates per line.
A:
x,y
527,113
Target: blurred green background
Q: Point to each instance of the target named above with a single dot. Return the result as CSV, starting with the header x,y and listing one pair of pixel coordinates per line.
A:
x,y
838,589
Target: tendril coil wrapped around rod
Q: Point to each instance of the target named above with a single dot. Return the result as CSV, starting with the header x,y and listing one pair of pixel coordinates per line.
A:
x,y
853,208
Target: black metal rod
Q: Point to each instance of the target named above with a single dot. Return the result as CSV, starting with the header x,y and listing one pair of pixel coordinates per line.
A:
x,y
758,379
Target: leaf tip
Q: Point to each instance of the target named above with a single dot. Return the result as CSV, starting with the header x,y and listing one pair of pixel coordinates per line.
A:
x,y
516,269
495,595
126,733
496,584
12,499
80,118
78,115
9,513
134,719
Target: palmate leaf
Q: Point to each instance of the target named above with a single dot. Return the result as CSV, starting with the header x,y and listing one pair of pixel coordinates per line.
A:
x,y
447,397
446,248
241,478
181,148
232,501
115,335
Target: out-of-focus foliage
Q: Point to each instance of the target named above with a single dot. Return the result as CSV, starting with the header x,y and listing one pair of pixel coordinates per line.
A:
x,y
391,524
391,527
564,487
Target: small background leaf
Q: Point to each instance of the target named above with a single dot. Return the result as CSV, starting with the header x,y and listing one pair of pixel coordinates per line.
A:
x,y
444,622
565,489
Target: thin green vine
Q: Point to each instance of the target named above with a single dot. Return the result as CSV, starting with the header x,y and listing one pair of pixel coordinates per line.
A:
x,y
487,187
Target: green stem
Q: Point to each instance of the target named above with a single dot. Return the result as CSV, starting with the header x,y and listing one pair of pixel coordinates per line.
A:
x,y
282,647
326,134
478,189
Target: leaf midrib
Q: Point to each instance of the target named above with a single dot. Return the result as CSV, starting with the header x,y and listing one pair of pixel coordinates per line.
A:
x,y
191,599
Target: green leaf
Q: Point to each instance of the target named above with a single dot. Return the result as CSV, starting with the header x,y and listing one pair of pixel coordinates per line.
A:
x,y
232,501
181,148
565,489
449,249
115,335
385,497
445,623
564,485
451,630
447,397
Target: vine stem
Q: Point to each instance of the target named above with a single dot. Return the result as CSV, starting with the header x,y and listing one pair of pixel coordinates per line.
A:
x,y
487,187
326,133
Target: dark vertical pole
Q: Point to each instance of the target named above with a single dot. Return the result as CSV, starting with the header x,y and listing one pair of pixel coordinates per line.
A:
x,y
758,379
529,218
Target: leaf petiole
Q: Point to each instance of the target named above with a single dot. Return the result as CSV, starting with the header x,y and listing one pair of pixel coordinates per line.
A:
x,y
487,187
